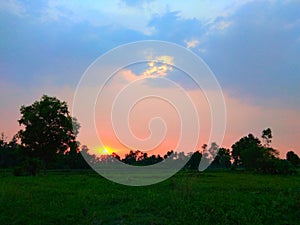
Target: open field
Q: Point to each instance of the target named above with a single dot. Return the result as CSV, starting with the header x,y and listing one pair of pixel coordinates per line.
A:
x,y
213,197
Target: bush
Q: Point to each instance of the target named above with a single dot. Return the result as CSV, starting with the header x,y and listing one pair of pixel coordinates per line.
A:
x,y
18,171
277,166
30,166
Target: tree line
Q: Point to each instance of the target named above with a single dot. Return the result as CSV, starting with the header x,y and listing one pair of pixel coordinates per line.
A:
x,y
47,140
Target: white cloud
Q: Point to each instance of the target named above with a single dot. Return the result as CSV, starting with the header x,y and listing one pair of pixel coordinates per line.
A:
x,y
157,67
221,25
14,7
116,13
191,43
100,13
206,10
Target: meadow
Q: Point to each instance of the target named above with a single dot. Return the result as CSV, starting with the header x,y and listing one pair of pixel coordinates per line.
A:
x,y
210,197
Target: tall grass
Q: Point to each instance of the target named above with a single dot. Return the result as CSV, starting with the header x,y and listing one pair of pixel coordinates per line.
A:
x,y
214,197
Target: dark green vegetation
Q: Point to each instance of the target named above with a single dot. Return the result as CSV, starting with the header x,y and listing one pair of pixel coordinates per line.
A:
x,y
213,197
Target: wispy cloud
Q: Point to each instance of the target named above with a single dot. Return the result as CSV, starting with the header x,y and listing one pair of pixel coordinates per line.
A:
x,y
193,43
99,13
13,6
222,25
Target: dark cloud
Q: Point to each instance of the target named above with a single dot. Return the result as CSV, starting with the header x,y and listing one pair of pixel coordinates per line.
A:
x,y
171,27
258,55
33,53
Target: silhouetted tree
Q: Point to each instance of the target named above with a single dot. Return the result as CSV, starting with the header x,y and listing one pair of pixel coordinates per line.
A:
x,y
293,158
9,155
168,154
130,158
140,159
250,153
267,137
222,159
204,148
48,129
194,161
248,142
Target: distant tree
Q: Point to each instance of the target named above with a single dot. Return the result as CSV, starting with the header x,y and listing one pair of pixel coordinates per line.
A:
x,y
213,151
9,156
293,158
130,158
139,158
194,161
48,129
267,137
245,143
222,159
2,140
250,153
257,157
204,148
116,156
168,154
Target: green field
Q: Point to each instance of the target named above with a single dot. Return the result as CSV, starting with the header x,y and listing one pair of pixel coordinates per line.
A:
x,y
213,197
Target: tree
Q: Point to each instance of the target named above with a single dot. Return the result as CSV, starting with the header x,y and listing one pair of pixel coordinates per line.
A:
x,y
48,129
168,154
8,152
250,153
247,142
222,159
194,161
293,158
267,137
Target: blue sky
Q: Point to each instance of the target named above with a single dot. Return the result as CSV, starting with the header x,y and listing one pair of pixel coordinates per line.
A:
x,y
252,46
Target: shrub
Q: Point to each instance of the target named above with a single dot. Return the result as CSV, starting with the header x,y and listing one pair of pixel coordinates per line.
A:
x,y
30,166
277,166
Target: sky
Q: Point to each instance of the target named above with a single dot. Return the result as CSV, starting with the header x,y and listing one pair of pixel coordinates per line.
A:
x,y
251,46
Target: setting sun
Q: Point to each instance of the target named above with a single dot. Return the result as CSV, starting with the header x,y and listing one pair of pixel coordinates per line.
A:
x,y
105,150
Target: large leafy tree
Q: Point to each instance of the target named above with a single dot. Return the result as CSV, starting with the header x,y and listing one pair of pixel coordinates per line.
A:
x,y
250,153
246,143
48,129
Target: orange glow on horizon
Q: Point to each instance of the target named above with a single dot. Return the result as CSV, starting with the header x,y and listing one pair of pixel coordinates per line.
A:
x,y
105,150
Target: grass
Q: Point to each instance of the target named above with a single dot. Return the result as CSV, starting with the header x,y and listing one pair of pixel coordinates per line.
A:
x,y
213,197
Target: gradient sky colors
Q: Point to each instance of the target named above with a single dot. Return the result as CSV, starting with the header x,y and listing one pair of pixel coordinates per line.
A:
x,y
253,48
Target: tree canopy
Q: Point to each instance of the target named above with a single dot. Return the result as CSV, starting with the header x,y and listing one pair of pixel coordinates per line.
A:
x,y
48,129
293,158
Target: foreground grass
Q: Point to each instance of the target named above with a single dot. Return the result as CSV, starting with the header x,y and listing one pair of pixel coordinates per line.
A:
x,y
187,198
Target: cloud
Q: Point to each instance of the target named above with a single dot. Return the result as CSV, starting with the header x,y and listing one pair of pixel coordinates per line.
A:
x,y
256,57
98,14
14,7
205,10
136,3
193,43
159,66
222,25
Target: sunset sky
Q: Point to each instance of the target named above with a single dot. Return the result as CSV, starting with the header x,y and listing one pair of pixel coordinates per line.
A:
x,y
252,47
